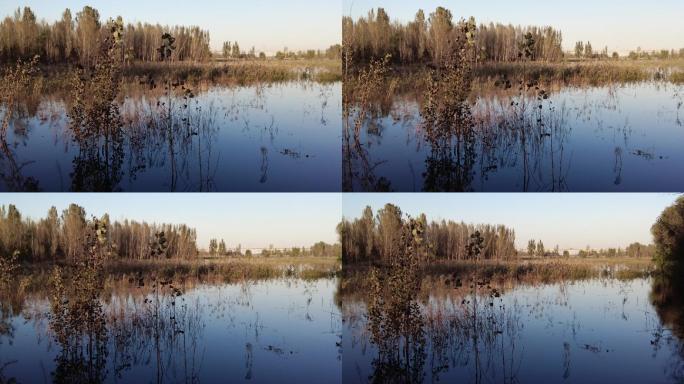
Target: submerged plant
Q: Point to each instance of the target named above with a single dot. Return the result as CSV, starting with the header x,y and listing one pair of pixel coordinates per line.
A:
x,y
447,117
16,82
9,267
95,118
368,84
94,111
361,92
77,317
394,315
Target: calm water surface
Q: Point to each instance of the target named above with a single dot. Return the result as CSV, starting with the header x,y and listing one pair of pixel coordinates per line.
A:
x,y
600,331
284,331
281,137
617,138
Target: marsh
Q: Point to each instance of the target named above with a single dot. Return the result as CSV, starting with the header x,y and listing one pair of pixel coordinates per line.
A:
x,y
440,103
426,300
613,137
594,330
175,329
106,105
268,137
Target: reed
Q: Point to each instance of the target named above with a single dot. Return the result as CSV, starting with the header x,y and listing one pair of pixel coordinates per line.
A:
x,y
455,274
226,270
54,78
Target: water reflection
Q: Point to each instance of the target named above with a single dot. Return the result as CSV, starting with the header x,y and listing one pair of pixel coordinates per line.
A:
x,y
666,296
153,329
11,172
474,330
529,138
173,137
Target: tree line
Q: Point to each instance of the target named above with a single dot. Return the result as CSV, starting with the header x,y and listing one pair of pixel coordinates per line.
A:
x,y
320,249
586,51
60,237
662,54
232,50
635,250
428,39
376,238
76,39
332,52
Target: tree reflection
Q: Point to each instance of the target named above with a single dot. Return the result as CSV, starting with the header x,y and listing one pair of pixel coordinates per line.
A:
x,y
424,338
11,293
174,131
77,317
667,297
460,330
448,128
364,97
98,167
12,172
166,134
465,140
394,315
17,98
95,120
158,329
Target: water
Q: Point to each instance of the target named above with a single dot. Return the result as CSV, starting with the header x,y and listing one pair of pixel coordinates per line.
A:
x,y
282,330
280,137
618,138
598,331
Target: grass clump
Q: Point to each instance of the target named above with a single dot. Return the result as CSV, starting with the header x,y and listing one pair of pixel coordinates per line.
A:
x,y
677,77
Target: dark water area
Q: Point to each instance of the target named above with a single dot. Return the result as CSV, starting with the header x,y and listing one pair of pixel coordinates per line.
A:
x,y
279,330
278,137
616,138
595,331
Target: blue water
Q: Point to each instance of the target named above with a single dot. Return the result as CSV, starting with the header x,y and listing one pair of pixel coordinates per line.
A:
x,y
619,138
600,331
280,137
272,331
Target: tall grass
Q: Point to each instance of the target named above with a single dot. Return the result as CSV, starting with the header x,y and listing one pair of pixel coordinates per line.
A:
x,y
356,279
411,78
229,270
677,77
239,73
598,73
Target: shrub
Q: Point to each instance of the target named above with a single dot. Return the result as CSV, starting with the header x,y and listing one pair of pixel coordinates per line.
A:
x,y
668,235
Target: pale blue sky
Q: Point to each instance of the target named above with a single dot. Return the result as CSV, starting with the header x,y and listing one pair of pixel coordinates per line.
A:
x,y
252,220
620,25
268,25
570,220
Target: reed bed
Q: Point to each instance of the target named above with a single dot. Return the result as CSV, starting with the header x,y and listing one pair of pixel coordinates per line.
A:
x,y
230,73
524,271
202,270
412,78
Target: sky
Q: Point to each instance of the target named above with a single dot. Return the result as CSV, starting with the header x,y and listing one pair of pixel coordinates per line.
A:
x,y
571,220
268,25
620,25
250,220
